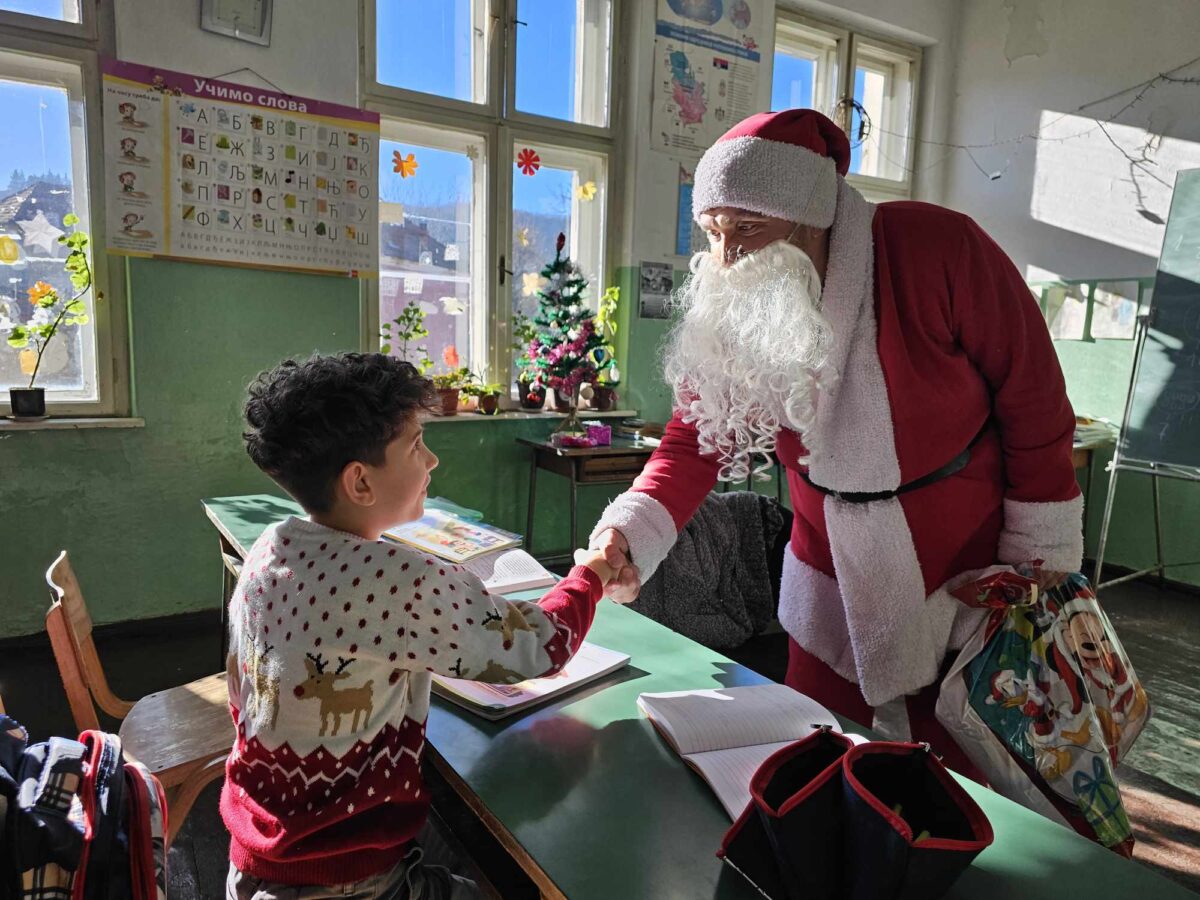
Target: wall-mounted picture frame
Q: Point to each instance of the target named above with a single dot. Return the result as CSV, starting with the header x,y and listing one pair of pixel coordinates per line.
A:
x,y
245,20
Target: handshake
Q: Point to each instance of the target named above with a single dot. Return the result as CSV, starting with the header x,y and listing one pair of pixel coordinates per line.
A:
x,y
609,559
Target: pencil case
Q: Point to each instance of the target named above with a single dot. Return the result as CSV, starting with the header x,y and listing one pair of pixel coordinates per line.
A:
x,y
788,843
909,828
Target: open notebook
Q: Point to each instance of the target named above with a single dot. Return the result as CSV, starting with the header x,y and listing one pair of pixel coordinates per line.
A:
x,y
725,734
496,701
508,571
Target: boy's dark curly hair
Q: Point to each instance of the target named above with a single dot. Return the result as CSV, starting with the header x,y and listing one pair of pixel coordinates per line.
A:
x,y
307,419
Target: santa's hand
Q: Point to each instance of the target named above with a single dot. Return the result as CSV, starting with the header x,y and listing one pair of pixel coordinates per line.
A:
x,y
625,586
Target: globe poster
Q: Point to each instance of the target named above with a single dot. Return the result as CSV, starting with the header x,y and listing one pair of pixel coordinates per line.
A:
x,y
707,55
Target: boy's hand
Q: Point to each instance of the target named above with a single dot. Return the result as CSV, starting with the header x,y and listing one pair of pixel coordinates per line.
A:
x,y
594,560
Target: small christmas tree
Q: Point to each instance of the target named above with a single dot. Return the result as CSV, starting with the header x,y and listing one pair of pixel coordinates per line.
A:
x,y
566,350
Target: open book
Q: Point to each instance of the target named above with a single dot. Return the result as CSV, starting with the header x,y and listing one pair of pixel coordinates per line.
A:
x,y
451,538
495,701
506,571
725,734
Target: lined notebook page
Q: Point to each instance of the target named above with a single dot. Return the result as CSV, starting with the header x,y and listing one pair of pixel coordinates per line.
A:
x,y
728,772
723,718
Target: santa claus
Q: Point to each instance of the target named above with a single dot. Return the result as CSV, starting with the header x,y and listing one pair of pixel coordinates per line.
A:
x,y
894,361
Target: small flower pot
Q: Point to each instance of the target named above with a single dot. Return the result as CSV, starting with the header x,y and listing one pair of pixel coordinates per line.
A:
x,y
603,398
28,403
449,398
562,402
489,403
530,400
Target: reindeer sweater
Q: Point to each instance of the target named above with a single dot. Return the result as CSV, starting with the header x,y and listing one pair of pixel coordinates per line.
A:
x,y
332,642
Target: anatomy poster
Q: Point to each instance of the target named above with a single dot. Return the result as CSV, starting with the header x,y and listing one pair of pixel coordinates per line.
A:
x,y
218,172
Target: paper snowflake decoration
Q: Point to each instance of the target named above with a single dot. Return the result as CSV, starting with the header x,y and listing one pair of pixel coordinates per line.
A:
x,y
40,233
472,152
406,165
531,283
452,306
523,237
586,191
528,161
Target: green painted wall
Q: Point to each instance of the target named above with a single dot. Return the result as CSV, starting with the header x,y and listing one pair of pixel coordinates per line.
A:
x,y
126,503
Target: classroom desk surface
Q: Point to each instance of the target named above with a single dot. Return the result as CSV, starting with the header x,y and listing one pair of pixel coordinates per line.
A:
x,y
592,803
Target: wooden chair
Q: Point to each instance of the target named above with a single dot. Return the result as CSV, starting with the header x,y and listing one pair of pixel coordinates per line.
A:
x,y
182,735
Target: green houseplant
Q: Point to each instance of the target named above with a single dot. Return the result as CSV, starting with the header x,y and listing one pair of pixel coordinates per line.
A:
x,y
407,329
449,383
531,391
487,393
51,311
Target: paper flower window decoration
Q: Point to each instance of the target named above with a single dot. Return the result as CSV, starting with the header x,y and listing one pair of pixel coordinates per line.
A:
x,y
528,161
407,165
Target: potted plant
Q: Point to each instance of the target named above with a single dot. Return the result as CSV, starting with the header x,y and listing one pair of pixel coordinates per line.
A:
x,y
487,394
450,383
51,311
604,394
407,328
531,391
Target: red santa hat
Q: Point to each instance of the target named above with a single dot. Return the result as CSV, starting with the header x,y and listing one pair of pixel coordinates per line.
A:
x,y
784,164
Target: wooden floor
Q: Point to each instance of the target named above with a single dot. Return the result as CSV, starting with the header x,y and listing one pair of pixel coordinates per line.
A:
x,y
1160,778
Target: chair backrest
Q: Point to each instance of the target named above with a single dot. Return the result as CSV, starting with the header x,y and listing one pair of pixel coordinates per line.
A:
x,y
70,628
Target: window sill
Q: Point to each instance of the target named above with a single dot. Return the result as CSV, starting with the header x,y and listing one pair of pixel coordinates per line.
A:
x,y
520,415
68,423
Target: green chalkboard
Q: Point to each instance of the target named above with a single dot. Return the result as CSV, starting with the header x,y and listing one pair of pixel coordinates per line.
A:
x,y
1162,424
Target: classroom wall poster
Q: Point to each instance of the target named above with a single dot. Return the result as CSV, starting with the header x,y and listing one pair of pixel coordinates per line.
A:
x,y
689,238
706,65
217,172
655,285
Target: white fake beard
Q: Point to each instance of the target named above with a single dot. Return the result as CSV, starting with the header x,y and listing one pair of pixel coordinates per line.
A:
x,y
744,360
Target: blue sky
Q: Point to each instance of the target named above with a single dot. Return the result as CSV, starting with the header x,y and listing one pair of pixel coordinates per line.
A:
x,y
21,139
51,9
431,52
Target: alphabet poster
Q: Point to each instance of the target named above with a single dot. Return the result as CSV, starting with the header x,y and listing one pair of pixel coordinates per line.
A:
x,y
217,172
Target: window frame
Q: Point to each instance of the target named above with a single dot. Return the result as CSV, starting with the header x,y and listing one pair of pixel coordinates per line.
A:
x,y
501,125
849,41
83,44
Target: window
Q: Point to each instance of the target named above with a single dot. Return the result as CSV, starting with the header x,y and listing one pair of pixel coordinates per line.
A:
x,y
503,107
49,102
867,85
60,10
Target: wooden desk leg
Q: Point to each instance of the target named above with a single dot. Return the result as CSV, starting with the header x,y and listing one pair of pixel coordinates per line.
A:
x,y
533,467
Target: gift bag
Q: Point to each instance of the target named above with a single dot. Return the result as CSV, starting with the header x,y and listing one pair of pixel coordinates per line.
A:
x,y
1044,701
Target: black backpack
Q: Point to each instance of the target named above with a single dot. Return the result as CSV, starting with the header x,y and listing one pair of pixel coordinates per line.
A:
x,y
77,822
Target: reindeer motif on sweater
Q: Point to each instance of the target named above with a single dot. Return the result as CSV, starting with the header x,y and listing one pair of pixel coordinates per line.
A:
x,y
322,686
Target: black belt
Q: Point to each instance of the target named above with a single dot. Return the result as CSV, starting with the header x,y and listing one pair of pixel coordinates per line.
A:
x,y
955,465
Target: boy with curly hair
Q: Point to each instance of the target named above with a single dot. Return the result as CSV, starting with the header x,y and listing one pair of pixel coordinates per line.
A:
x,y
335,634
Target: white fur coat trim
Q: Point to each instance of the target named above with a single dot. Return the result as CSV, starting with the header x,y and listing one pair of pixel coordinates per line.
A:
x,y
646,525
1036,531
814,612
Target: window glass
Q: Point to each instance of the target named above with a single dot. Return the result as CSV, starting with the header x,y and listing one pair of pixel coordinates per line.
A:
x,y
62,10
562,59
428,244
42,179
435,47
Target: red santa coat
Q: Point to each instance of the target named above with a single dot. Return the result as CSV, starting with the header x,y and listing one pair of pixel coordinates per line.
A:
x,y
936,337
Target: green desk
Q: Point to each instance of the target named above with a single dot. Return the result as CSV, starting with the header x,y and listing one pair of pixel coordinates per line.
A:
x,y
591,802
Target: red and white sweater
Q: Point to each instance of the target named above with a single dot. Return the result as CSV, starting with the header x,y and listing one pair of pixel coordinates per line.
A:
x,y
333,640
